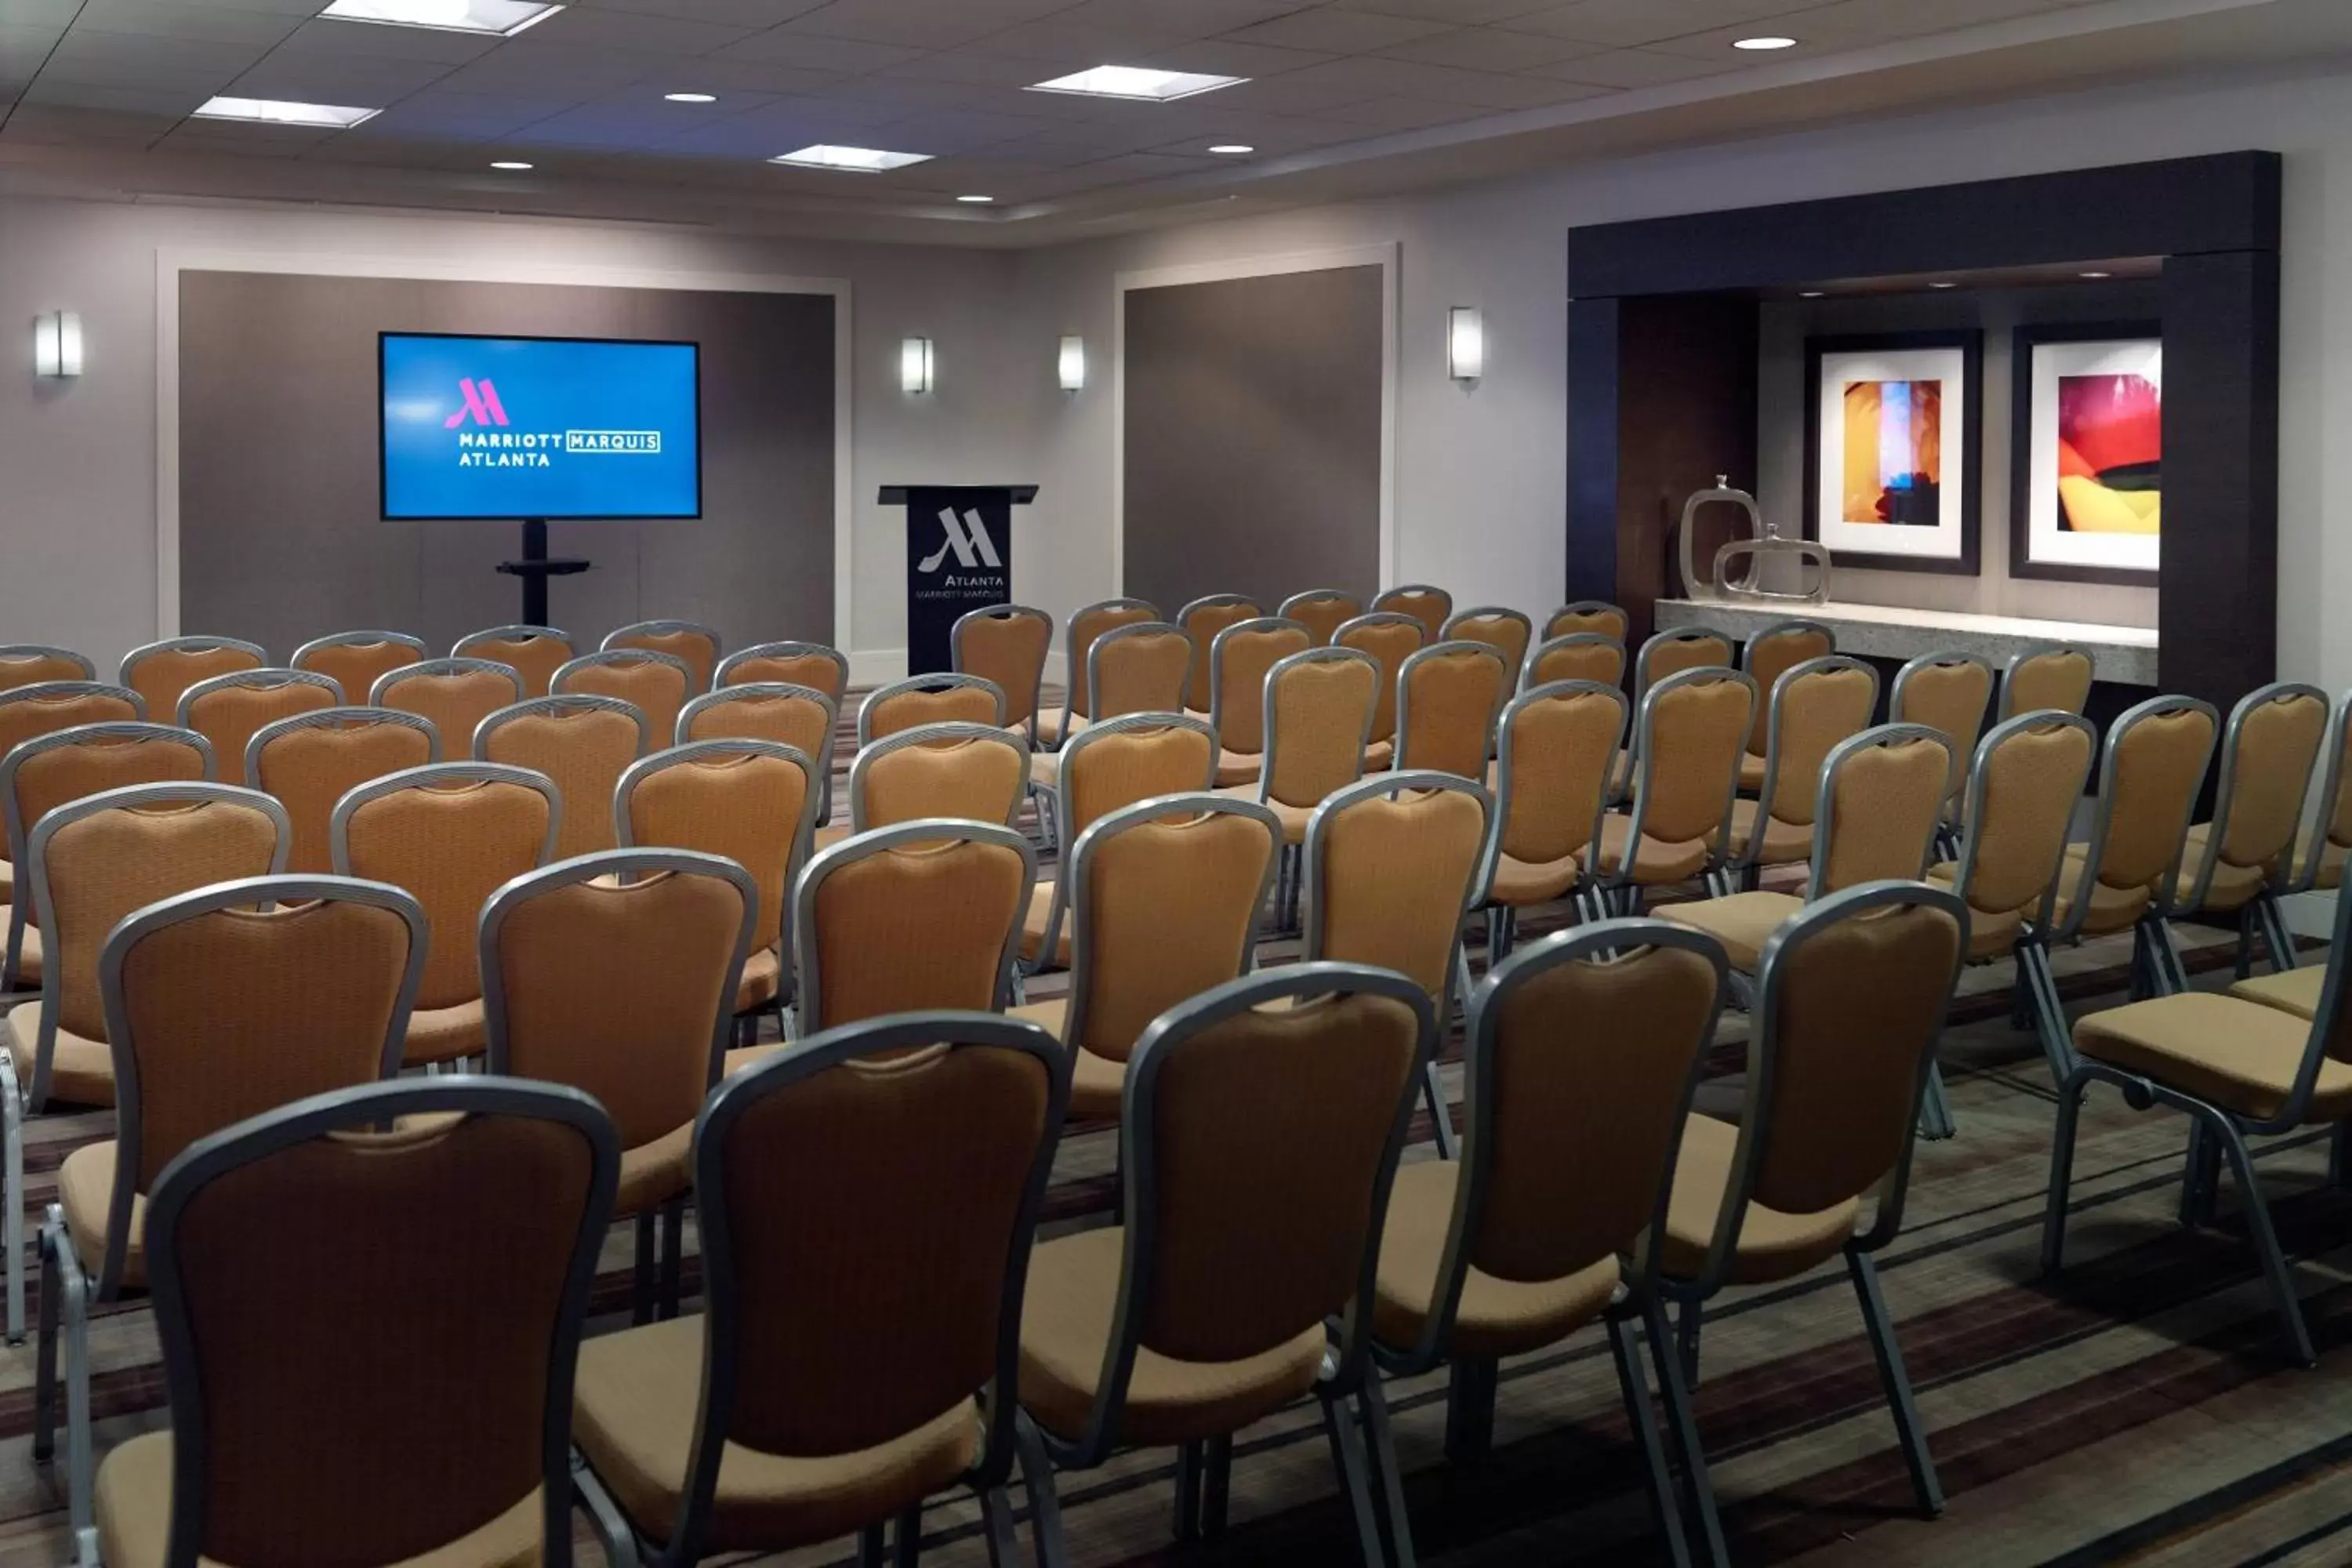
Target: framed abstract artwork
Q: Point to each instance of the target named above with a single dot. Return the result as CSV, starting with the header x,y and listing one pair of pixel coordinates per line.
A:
x,y
2086,458
1893,447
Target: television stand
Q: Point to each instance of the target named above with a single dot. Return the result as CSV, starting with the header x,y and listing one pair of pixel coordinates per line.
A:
x,y
535,569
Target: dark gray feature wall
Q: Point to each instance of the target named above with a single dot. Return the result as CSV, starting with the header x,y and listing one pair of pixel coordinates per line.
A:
x,y
281,539
1253,437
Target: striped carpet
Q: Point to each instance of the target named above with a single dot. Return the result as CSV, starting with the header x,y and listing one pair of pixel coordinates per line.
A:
x,y
2133,1410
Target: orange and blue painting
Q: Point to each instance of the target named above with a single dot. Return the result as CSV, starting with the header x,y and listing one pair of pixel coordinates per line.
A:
x,y
1894,453
2110,445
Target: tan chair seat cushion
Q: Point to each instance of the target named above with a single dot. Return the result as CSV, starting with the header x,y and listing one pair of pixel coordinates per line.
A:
x,y
652,1173
1497,1317
1065,1325
633,1414
1046,769
134,1499
2296,991
82,1072
7,882
1991,934
1049,726
1743,922
1032,928
1519,883
1097,1084
1238,767
29,956
1785,843
445,1034
1656,863
1621,774
2240,1055
1772,1245
2232,885
1052,1015
2330,872
1378,755
745,1057
763,971
85,1190
1751,773
2112,908
826,838
1292,817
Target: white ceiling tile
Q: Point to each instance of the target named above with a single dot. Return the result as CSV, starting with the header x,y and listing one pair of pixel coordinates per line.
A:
x,y
726,76
1386,114
1486,49
123,99
590,71
177,19
468,115
244,140
336,38
1637,67
734,12
1223,57
1374,76
22,49
336,79
577,26
1860,20
1462,13
925,24
812,53
1178,18
1329,29
1629,21
1057,46
38,13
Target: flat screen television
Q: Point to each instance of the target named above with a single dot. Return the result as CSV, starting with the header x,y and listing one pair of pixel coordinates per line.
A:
x,y
523,429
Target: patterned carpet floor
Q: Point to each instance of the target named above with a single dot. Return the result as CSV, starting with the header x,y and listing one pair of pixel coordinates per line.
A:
x,y
2133,1409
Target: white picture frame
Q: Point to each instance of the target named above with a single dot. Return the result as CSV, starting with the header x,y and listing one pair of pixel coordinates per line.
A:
x,y
2047,541
1949,542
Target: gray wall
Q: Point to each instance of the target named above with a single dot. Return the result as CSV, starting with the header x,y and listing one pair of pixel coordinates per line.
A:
x,y
1252,438
281,539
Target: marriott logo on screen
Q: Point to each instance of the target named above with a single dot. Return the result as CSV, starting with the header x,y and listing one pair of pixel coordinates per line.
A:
x,y
494,446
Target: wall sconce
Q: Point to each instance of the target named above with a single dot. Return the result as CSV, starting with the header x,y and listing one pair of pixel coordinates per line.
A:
x,y
915,364
57,343
1465,343
1071,364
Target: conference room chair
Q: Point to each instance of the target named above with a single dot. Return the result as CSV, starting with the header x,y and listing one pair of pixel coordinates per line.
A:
x,y
1078,645
1390,638
40,774
1949,691
2151,769
1812,706
1166,900
31,664
451,833
914,916
357,660
1552,1216
2023,785
657,684
2326,842
1589,615
1203,620
161,672
1494,624
1317,710
789,663
1574,656
88,864
1669,653
1771,653
699,646
1392,864
975,771
945,697
1140,667
751,802
584,743
1449,695
229,710
48,706
408,1385
1429,606
311,761
453,694
533,653
1322,611
669,930
1240,662
1006,644
1875,813
1849,1005
1552,753
2237,864
867,1205
2046,676
204,994
801,717
1100,770
1261,1128
1676,826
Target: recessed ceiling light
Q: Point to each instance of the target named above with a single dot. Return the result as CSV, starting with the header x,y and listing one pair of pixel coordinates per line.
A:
x,y
1136,82
2098,275
1232,149
510,164
691,97
1811,293
976,201
1943,285
504,18
1769,41
276,111
849,160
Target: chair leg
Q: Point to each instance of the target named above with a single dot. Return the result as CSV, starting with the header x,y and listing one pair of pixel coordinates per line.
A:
x,y
2243,963
2062,1173
1045,1503
1682,1425
641,1277
12,1194
1216,1485
1936,1107
2265,1239
1355,1485
1395,1521
615,1534
2200,1176
2049,1012
1889,1354
1188,1491
45,1352
1470,1411
1642,1418
907,1538
869,1547
2339,1157
996,1527
1440,1114
2275,936
1687,1323
80,1463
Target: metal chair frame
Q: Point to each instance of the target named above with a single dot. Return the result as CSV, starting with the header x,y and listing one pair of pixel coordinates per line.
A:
x,y
612,643
1743,865
1007,611
1537,650
2260,914
1502,922
1097,607
953,731
1617,893
2305,872
2007,697
943,680
430,776
379,694
562,704
1446,649
18,650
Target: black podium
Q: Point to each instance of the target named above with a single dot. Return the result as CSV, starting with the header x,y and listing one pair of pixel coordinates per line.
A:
x,y
535,569
958,558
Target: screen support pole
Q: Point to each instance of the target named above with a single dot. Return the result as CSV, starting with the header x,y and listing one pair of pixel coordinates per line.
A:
x,y
534,568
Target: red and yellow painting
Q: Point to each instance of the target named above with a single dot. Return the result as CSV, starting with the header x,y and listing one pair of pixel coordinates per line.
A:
x,y
2110,445
1894,453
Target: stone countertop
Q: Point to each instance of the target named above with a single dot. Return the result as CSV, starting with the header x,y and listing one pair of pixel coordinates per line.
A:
x,y
2124,655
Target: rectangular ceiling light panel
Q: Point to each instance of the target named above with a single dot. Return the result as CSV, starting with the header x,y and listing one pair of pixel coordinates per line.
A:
x,y
503,18
1137,82
277,112
850,160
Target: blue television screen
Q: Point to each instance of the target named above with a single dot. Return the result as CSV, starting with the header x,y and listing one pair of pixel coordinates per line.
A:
x,y
513,428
